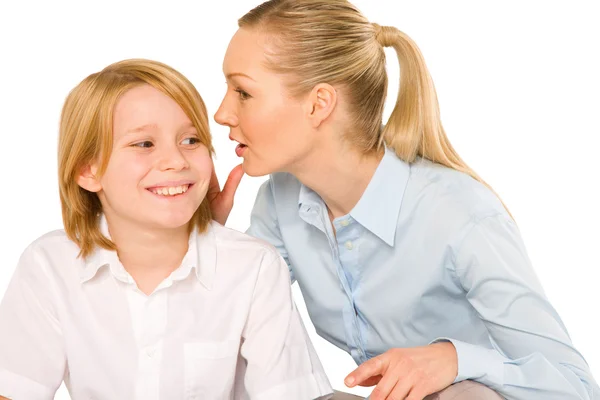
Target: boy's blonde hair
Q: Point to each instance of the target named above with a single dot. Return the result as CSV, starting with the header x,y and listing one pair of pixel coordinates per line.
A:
x,y
330,41
86,136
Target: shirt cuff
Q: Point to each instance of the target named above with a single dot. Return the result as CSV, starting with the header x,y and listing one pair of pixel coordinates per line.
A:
x,y
16,387
309,387
477,363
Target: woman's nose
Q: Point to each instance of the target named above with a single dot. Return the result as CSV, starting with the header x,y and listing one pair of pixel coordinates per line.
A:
x,y
225,115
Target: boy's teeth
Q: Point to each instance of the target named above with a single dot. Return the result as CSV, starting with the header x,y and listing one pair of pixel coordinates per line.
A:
x,y
170,191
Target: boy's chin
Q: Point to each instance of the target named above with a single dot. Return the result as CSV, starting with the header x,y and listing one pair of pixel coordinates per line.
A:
x,y
171,221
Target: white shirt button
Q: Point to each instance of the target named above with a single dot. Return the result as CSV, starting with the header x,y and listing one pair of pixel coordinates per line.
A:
x,y
349,245
150,351
345,222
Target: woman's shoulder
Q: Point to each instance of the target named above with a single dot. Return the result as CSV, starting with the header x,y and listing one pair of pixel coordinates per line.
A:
x,y
444,204
440,189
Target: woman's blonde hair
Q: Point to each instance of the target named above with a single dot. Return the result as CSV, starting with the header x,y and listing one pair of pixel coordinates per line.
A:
x,y
330,41
86,136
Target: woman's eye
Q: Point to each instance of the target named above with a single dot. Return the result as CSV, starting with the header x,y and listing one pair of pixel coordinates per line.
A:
x,y
191,141
242,94
145,144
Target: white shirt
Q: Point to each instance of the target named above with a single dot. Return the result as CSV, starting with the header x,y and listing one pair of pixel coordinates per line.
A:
x,y
221,326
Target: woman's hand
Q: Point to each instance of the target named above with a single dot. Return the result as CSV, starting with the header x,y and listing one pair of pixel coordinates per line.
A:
x,y
408,374
221,201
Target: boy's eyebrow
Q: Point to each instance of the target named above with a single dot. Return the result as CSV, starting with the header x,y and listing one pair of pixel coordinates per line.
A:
x,y
232,74
188,125
147,127
141,128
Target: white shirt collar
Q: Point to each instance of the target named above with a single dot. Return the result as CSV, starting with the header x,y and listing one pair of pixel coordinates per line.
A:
x,y
201,257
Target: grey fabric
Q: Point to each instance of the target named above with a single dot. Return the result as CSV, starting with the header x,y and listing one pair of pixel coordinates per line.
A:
x,y
466,390
345,396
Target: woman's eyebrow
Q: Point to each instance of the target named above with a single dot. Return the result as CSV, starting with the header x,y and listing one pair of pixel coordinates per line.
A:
x,y
234,74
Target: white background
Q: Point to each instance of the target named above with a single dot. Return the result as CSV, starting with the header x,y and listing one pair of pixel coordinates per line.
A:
x,y
518,84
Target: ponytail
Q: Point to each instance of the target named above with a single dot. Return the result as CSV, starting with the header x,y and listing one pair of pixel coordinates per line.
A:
x,y
414,128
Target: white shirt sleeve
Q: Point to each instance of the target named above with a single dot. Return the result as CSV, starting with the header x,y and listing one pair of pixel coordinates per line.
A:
x,y
281,360
32,357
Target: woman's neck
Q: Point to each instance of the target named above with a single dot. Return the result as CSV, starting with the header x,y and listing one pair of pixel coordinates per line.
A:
x,y
338,176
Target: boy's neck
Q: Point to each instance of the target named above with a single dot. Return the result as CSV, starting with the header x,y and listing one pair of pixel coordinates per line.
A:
x,y
148,255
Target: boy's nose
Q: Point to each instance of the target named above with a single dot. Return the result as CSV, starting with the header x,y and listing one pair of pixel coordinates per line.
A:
x,y
172,159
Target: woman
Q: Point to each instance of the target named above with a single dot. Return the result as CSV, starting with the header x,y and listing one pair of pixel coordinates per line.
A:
x,y
406,258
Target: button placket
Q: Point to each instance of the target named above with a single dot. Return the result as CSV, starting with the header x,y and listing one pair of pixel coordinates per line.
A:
x,y
150,351
347,241
152,326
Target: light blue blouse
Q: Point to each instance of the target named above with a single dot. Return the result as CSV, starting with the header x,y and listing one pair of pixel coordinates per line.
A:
x,y
427,254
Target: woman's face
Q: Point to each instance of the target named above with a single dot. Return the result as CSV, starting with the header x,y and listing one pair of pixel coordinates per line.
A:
x,y
271,127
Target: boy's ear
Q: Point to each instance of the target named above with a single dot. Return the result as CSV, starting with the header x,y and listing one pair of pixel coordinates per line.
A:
x,y
87,178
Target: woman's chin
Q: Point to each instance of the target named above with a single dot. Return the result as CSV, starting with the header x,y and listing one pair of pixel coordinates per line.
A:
x,y
255,169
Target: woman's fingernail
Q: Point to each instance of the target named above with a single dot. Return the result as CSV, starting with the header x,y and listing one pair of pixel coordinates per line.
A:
x,y
349,380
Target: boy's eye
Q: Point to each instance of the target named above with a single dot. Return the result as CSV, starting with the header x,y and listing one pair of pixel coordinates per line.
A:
x,y
191,141
242,94
145,144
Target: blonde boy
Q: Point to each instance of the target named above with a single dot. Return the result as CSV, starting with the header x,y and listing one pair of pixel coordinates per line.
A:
x,y
143,296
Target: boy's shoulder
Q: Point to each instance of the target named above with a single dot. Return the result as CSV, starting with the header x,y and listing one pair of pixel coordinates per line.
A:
x,y
241,245
231,238
53,253
54,242
240,260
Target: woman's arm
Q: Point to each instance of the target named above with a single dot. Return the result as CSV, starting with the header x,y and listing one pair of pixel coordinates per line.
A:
x,y
533,357
264,224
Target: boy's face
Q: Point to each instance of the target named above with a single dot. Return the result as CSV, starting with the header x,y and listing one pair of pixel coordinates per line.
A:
x,y
158,172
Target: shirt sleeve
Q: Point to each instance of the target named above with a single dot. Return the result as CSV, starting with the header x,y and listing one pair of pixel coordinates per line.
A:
x,y
264,224
532,355
32,357
281,360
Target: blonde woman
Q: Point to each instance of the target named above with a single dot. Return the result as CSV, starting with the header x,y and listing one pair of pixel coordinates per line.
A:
x,y
406,258
142,296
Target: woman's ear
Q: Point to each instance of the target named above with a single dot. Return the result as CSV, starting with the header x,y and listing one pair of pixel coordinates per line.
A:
x,y
87,178
321,103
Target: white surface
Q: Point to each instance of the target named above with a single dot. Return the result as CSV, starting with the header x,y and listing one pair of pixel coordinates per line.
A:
x,y
518,85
